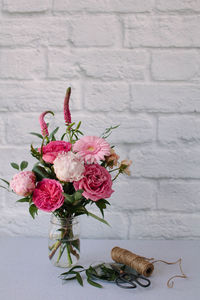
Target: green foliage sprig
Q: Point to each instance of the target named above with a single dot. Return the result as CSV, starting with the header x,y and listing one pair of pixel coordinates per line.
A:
x,y
91,273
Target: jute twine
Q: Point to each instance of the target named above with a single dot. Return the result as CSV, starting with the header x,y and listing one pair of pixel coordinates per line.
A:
x,y
134,261
143,265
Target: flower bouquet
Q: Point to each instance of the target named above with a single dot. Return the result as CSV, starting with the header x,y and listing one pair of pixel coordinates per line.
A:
x,y
70,174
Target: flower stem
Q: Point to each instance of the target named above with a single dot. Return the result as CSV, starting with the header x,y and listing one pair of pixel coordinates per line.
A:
x,y
114,170
68,254
57,245
116,176
60,253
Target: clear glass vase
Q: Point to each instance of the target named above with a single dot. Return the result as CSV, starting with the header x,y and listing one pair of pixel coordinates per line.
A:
x,y
64,241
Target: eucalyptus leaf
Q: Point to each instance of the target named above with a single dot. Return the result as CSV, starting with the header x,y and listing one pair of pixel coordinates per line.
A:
x,y
23,165
15,166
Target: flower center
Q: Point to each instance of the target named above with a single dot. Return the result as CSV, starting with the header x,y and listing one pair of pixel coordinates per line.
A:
x,y
90,148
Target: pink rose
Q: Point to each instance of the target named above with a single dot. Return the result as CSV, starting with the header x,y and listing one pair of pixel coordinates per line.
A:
x,y
96,183
48,195
23,183
51,150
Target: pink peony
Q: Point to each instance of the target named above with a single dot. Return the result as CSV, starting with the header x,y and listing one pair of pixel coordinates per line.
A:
x,y
23,183
51,150
68,167
96,183
92,148
48,195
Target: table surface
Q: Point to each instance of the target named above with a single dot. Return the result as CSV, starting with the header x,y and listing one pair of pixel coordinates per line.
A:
x,y
26,273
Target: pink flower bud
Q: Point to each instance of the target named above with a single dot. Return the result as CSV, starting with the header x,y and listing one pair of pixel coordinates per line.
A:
x,y
67,114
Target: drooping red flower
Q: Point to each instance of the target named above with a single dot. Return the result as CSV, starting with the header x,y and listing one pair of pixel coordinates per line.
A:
x,y
43,125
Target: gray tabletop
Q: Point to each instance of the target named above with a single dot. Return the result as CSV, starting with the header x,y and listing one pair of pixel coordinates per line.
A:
x,y
26,273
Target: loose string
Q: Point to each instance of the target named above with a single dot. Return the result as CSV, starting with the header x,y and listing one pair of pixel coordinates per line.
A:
x,y
143,265
183,275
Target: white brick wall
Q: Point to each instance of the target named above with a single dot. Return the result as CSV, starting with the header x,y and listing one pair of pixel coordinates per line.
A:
x,y
133,62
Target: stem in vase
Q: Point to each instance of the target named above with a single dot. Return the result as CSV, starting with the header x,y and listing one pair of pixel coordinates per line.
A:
x,y
57,245
68,254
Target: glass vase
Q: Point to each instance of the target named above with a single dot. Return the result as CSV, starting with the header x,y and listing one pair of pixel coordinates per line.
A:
x,y
64,241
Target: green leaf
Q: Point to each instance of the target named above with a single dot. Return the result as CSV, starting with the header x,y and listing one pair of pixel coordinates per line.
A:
x,y
79,279
78,195
70,126
78,126
5,181
70,278
40,172
62,137
94,283
23,200
101,205
53,133
98,218
3,187
23,165
37,134
108,131
68,198
15,166
33,210
73,268
35,153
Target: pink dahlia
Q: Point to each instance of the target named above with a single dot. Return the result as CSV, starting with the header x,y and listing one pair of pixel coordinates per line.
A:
x,y
23,183
51,150
96,183
48,195
92,148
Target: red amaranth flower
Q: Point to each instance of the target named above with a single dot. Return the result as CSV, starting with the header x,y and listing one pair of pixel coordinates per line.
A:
x,y
43,124
67,114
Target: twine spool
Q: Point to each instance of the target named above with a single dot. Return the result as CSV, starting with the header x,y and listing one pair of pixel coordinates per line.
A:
x,y
134,261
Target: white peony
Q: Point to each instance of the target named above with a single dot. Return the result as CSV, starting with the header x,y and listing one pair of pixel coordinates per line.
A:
x,y
69,167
